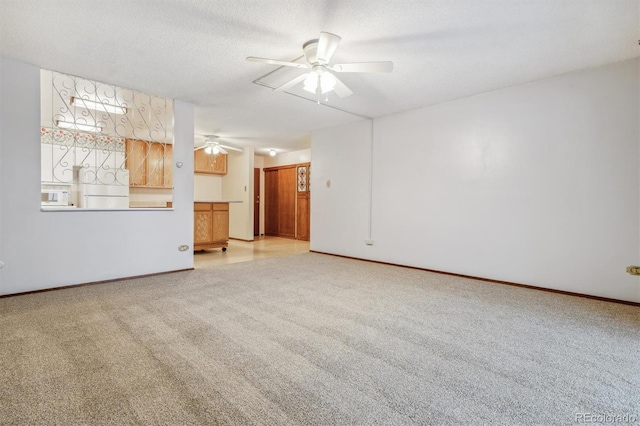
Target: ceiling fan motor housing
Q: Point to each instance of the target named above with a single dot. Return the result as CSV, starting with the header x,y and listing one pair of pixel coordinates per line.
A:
x,y
310,49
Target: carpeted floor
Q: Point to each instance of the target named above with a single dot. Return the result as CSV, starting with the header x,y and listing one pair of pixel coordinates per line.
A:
x,y
314,339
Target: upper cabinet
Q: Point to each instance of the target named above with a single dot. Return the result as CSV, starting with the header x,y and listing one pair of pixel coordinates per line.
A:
x,y
215,164
149,163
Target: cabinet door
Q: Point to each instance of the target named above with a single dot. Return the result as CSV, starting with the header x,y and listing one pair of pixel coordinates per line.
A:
x,y
202,227
168,166
46,162
136,161
215,164
220,225
56,163
201,161
219,164
155,165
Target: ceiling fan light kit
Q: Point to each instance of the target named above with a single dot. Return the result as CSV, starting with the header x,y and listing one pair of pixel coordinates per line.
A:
x,y
213,149
320,79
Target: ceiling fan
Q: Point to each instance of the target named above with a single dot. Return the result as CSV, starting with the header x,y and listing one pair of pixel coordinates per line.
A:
x,y
213,146
321,79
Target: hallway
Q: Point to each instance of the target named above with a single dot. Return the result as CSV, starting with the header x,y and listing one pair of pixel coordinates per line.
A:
x,y
244,251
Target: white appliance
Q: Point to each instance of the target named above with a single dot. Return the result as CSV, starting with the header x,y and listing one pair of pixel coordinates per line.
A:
x,y
103,189
54,197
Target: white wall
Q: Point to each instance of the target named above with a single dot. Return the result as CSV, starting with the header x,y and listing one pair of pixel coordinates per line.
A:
x,y
51,249
207,187
536,184
340,190
285,158
237,185
2,171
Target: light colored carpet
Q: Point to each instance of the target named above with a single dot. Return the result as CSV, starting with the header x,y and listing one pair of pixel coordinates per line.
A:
x,y
314,339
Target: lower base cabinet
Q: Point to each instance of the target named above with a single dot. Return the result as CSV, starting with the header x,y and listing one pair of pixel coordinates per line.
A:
x,y
210,226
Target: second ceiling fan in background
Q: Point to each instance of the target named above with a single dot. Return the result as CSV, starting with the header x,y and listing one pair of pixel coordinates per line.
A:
x,y
212,146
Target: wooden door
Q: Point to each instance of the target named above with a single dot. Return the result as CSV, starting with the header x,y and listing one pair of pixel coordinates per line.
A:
x,y
256,201
271,205
303,222
303,209
287,178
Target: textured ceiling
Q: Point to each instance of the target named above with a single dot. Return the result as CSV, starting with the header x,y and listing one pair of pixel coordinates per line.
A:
x,y
195,50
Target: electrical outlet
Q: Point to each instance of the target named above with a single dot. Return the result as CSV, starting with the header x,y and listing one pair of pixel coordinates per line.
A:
x,y
633,270
183,247
368,242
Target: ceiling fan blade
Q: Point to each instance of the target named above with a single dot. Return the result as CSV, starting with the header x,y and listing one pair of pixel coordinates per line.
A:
x,y
383,66
232,148
327,44
200,147
341,89
289,84
221,150
276,62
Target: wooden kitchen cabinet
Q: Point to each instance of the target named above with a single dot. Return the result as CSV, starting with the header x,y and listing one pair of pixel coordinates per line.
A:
x,y
149,163
168,166
210,226
215,164
136,161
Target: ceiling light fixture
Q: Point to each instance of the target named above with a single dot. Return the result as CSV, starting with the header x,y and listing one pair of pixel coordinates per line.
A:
x,y
85,103
323,80
78,126
272,152
212,149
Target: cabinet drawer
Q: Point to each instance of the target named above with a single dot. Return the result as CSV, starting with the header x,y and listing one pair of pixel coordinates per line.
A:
x,y
200,207
220,206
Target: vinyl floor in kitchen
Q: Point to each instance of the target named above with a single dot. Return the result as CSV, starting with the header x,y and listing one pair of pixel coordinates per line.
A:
x,y
245,251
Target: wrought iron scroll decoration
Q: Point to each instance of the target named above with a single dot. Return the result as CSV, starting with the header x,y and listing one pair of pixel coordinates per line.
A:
x,y
94,139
